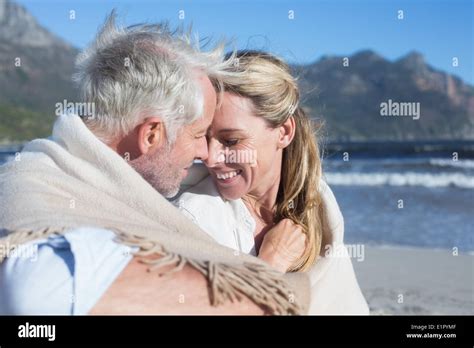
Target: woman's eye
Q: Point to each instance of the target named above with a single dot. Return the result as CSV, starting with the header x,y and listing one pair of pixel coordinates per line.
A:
x,y
230,142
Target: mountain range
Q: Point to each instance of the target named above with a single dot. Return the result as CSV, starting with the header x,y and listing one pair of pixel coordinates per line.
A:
x,y
345,92
348,93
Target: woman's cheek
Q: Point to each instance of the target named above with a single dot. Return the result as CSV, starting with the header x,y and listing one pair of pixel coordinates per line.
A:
x,y
247,154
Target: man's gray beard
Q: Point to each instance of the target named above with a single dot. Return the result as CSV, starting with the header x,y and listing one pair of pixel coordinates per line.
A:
x,y
157,169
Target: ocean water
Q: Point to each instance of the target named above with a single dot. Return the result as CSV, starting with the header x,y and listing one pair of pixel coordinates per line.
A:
x,y
406,201
401,201
6,156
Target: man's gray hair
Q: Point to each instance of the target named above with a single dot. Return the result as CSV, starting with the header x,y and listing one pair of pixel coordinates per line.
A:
x,y
145,70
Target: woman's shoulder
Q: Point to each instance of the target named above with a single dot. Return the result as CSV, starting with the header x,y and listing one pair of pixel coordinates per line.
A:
x,y
204,191
333,219
206,208
200,200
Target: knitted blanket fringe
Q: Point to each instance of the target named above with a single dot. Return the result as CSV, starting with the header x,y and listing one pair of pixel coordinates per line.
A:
x,y
227,282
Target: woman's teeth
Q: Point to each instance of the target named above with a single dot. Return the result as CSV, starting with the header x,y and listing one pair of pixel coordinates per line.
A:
x,y
228,175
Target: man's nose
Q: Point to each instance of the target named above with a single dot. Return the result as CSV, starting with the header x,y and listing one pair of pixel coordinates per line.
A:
x,y
213,154
201,150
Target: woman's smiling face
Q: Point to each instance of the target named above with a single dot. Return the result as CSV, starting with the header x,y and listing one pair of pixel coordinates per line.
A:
x,y
243,150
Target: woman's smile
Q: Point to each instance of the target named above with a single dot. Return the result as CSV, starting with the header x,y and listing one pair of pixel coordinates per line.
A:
x,y
227,177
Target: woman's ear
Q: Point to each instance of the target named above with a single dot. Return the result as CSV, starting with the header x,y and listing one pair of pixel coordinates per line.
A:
x,y
287,132
151,134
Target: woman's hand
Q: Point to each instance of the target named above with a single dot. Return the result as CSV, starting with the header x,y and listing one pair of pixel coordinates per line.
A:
x,y
283,245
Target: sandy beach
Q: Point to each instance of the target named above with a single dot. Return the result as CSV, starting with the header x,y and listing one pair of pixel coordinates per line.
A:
x,y
416,281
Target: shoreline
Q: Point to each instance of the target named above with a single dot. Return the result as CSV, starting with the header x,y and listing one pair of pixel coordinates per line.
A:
x,y
410,280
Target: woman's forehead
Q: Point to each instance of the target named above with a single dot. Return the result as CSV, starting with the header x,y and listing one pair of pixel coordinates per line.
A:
x,y
235,112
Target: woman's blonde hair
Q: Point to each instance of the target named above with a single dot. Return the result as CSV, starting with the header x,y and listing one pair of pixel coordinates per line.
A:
x,y
267,81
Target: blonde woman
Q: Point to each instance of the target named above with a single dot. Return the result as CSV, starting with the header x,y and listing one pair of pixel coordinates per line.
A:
x,y
264,194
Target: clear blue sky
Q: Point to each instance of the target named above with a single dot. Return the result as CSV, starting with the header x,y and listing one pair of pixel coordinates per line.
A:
x,y
439,29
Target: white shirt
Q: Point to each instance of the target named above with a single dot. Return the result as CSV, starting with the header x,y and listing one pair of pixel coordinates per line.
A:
x,y
228,222
62,274
334,287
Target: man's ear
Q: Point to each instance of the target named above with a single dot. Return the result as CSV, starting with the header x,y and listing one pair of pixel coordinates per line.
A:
x,y
151,134
287,132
